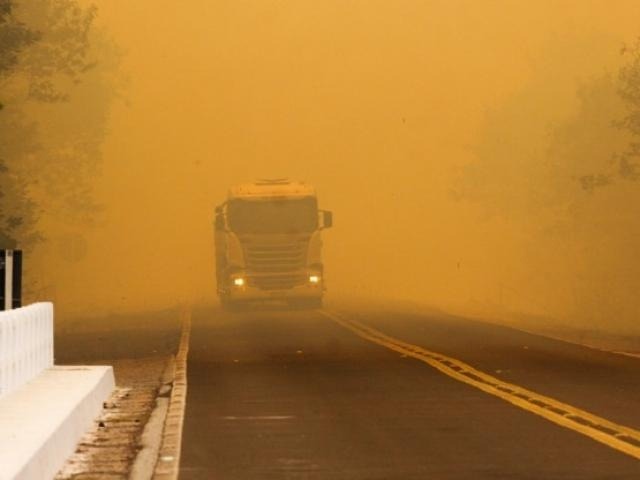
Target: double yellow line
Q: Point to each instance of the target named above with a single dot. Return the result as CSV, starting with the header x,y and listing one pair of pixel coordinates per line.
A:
x,y
618,437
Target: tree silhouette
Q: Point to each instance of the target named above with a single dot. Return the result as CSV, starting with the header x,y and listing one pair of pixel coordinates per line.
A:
x,y
629,166
44,48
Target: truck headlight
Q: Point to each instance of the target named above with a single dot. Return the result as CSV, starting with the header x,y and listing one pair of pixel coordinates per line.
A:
x,y
238,282
314,278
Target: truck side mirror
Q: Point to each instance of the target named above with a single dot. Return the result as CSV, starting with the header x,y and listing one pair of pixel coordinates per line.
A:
x,y
327,219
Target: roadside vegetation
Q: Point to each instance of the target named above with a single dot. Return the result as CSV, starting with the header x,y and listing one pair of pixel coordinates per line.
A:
x,y
560,160
54,96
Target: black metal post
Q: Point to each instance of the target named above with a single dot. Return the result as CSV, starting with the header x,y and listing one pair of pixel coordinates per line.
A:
x,y
10,279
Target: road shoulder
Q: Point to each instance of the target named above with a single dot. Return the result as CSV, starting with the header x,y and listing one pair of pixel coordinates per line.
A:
x,y
109,449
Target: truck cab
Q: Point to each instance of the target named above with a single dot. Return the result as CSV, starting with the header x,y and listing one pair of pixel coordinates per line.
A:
x,y
268,244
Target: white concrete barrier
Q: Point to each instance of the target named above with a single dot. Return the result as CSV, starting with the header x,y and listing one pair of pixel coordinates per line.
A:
x,y
26,344
44,410
42,422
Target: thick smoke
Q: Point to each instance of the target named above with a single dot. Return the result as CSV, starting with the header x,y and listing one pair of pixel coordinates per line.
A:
x,y
462,146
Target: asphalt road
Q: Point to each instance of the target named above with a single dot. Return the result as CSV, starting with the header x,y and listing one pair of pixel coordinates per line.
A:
x,y
296,395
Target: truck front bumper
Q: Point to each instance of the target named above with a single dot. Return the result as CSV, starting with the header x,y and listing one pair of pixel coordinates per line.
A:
x,y
249,292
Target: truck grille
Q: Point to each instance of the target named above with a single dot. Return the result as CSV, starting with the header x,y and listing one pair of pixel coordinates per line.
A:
x,y
276,265
276,258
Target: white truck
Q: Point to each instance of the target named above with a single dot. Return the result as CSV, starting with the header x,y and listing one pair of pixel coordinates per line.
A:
x,y
268,244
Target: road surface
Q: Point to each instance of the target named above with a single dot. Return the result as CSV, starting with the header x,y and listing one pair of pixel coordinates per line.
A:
x,y
356,394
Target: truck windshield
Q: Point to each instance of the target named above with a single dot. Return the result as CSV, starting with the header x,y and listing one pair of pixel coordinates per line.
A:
x,y
273,216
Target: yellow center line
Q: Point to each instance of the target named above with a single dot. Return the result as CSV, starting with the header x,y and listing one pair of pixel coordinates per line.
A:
x,y
618,437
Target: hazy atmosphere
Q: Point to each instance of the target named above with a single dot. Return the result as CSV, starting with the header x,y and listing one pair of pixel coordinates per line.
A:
x,y
320,240
478,156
